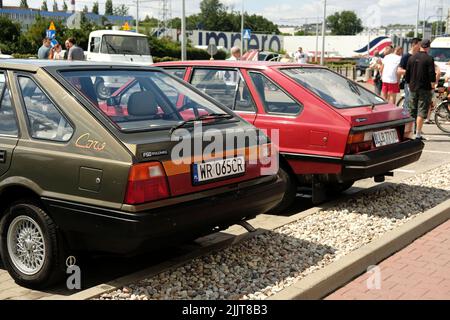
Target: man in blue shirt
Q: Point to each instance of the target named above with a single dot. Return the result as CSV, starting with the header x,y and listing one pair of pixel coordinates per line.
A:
x,y
44,50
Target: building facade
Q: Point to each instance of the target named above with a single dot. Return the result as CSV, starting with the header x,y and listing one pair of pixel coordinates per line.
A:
x,y
27,16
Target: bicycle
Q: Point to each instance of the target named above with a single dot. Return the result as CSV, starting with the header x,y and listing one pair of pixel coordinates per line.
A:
x,y
442,116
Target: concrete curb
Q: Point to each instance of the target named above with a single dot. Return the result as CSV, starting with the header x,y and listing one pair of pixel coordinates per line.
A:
x,y
325,281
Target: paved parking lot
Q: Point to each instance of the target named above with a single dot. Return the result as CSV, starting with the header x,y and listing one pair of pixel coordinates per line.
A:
x,y
102,270
419,271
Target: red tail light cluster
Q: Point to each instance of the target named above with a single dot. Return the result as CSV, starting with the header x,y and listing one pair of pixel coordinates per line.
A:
x,y
359,142
146,182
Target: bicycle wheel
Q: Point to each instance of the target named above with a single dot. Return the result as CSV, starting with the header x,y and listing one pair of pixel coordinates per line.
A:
x,y
442,117
400,102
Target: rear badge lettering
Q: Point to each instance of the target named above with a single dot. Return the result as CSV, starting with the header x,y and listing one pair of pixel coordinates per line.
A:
x,y
84,142
149,154
361,119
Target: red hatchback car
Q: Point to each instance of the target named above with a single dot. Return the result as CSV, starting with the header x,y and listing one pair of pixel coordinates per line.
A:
x,y
331,130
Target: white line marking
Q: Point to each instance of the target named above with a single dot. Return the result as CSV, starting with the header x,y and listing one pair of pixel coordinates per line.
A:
x,y
436,151
405,171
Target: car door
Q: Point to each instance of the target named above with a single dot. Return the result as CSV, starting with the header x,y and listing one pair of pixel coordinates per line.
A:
x,y
228,86
9,130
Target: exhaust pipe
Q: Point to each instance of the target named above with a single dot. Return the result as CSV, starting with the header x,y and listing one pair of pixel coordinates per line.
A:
x,y
381,177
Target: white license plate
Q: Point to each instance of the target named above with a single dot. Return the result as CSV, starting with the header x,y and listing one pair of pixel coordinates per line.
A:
x,y
217,169
385,137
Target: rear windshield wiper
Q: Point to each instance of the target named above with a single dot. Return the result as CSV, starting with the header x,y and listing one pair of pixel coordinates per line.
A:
x,y
202,117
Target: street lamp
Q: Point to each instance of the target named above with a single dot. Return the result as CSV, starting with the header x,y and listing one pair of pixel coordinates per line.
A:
x,y
183,30
322,54
242,28
416,31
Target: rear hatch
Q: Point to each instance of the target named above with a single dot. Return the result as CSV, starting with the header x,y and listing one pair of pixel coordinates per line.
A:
x,y
376,126
194,165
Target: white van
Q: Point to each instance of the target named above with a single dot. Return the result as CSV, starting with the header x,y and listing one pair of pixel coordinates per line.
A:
x,y
116,46
440,51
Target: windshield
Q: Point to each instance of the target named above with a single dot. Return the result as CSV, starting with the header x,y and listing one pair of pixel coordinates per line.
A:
x,y
335,89
116,44
440,54
141,100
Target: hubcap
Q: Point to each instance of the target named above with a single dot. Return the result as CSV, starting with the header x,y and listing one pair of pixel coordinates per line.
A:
x,y
26,245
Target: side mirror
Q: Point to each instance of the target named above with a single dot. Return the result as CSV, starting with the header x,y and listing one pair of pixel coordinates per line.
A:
x,y
112,101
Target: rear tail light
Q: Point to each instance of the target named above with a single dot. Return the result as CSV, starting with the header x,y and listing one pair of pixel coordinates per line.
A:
x,y
359,142
146,182
409,131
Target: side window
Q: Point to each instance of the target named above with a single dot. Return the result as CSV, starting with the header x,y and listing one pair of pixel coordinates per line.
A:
x,y
177,72
274,99
225,86
46,122
95,44
8,121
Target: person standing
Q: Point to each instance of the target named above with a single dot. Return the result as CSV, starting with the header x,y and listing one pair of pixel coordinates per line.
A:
x,y
235,54
300,56
421,76
389,75
44,50
74,51
415,47
375,65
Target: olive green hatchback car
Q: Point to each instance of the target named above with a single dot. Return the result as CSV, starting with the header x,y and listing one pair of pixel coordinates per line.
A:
x,y
78,173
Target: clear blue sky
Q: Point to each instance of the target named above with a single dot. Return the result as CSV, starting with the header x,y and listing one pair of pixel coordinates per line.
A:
x,y
289,11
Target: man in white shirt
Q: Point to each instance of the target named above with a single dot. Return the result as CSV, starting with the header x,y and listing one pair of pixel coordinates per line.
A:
x,y
235,54
390,76
300,56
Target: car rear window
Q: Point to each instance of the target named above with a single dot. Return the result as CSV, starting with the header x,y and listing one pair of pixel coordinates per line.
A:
x,y
140,100
335,89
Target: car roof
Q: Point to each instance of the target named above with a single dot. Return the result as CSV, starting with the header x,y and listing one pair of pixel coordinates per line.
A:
x,y
35,64
233,64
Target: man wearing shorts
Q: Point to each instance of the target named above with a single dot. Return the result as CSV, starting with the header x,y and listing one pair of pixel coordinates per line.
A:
x,y
390,76
421,76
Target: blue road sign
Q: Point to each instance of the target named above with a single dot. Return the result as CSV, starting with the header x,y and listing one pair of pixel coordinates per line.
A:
x,y
50,34
247,33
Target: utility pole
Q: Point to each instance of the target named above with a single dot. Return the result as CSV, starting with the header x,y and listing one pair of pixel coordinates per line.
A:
x,y
416,31
183,31
322,54
242,29
137,16
316,54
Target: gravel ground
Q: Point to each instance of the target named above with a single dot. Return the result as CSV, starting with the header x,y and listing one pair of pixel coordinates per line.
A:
x,y
267,263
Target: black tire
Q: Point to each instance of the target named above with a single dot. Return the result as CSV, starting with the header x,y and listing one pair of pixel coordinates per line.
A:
x,y
102,91
442,117
400,102
289,193
339,187
53,265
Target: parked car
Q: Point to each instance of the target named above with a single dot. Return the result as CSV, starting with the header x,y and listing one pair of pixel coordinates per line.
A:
x,y
361,66
332,131
78,173
257,55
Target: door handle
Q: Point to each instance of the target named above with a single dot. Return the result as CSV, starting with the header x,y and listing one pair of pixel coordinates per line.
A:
x,y
2,156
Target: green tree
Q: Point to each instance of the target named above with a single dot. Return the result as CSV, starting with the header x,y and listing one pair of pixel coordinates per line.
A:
x,y
121,10
95,7
65,8
9,36
85,9
211,14
55,6
109,8
345,23
44,6
36,32
23,4
438,27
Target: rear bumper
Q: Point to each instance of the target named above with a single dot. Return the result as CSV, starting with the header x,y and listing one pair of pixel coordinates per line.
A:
x,y
377,162
99,229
